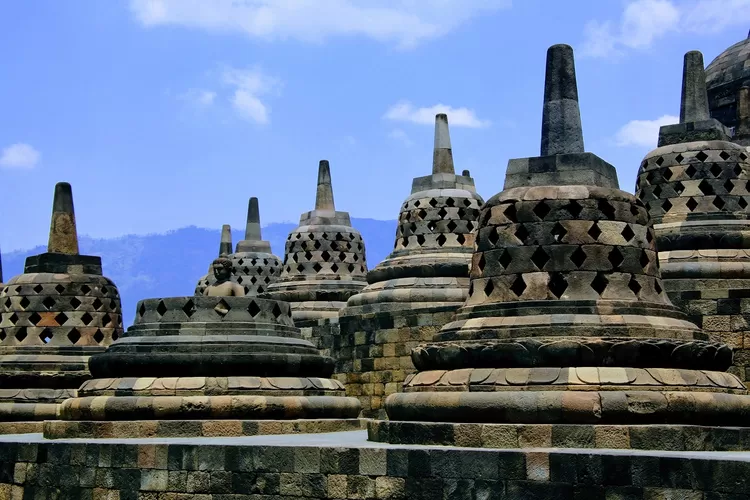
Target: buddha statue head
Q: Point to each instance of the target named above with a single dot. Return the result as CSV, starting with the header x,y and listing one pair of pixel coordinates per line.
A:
x,y
222,269
223,286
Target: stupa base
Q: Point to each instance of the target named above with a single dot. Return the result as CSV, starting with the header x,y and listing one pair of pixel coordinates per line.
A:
x,y
61,429
518,436
27,427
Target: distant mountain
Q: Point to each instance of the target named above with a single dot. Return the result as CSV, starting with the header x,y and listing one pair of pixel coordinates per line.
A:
x,y
169,265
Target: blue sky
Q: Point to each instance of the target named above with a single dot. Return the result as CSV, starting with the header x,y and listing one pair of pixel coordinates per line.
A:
x,y
169,113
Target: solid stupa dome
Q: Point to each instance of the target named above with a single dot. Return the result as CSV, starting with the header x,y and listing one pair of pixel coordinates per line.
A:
x,y
724,77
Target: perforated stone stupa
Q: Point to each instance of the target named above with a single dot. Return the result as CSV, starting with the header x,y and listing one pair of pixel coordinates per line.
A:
x,y
324,261
567,338
696,187
53,317
213,365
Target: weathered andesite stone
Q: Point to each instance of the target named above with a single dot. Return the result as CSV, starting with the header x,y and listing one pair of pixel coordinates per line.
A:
x,y
567,328
225,361
324,261
254,266
417,288
696,190
725,76
53,317
225,248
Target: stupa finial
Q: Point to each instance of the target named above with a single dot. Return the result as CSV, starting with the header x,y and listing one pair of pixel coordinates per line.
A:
x,y
63,237
324,196
442,155
252,229
225,247
694,103
561,117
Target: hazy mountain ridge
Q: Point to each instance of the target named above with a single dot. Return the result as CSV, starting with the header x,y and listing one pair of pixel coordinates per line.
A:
x,y
169,264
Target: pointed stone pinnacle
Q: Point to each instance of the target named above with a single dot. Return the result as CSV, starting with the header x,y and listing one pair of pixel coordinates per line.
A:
x,y
743,112
252,229
442,156
63,237
225,247
324,195
561,117
694,103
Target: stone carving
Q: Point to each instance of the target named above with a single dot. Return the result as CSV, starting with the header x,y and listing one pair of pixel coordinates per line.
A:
x,y
324,261
724,77
223,286
225,248
567,320
52,317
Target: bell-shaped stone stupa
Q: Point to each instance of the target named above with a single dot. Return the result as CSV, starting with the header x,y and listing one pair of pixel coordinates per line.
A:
x,y
696,187
567,338
429,266
324,262
53,317
218,364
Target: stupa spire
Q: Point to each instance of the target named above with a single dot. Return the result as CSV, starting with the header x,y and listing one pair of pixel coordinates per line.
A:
x,y
442,155
694,103
561,116
63,237
252,229
324,195
225,247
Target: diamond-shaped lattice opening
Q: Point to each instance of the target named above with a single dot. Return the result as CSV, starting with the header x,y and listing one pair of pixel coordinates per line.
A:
x,y
45,336
300,268
679,158
493,237
467,202
460,239
416,203
35,318
701,156
650,235
691,171
541,210
715,170
161,308
13,319
8,302
3,336
87,319
308,255
679,187
742,203
74,336
38,289
659,160
657,286
24,303
412,227
21,334
188,308
644,260
317,267
724,155
142,310
276,311
59,288
615,258
355,257
505,259
334,267
253,280
719,202
666,206
342,256
311,236
521,233
559,232
627,233
470,225
737,170
97,303
98,336
433,202
540,258
461,213
691,204
518,286
510,213
75,302
440,240
706,187
600,283
594,231
442,213
578,257
574,208
106,320
450,202
489,288
557,284
317,245
452,226
607,209
294,258
657,191
253,309
633,284
85,289
325,255
432,225
481,263
48,302
728,185
61,319
667,174
743,157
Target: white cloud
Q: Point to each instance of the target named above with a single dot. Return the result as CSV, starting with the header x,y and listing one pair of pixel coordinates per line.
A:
x,y
249,85
401,136
19,155
644,21
458,117
643,133
405,22
198,97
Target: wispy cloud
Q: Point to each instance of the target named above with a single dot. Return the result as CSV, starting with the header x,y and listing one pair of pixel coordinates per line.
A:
x,y
198,97
19,155
643,133
404,22
248,87
644,21
405,111
401,136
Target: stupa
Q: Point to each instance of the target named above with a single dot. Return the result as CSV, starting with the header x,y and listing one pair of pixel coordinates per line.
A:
x,y
567,338
221,364
53,317
225,248
696,188
324,260
417,288
725,76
